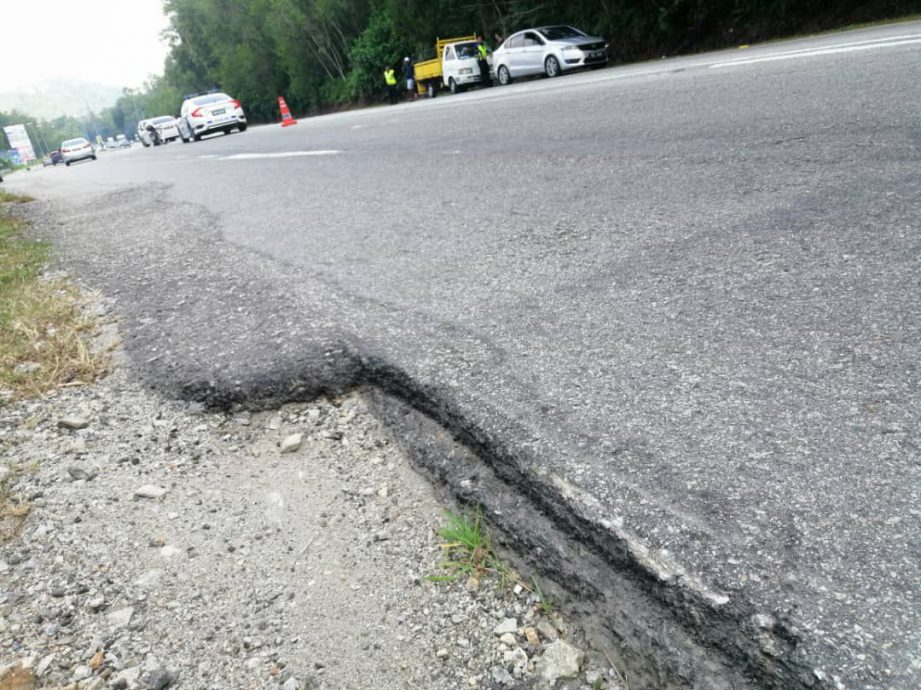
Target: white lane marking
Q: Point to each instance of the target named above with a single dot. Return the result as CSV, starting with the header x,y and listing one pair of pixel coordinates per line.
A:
x,y
210,155
831,50
280,154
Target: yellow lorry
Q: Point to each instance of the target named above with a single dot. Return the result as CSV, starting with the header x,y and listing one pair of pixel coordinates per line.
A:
x,y
454,66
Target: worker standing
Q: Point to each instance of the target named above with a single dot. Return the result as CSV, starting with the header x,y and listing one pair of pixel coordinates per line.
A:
x,y
391,78
409,79
483,62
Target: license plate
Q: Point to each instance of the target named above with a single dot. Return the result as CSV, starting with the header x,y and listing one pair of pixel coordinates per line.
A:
x,y
218,112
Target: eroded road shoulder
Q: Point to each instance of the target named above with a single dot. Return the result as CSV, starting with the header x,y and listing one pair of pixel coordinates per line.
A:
x,y
169,547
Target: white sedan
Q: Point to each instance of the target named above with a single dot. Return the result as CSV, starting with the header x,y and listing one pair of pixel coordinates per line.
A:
x,y
549,50
208,113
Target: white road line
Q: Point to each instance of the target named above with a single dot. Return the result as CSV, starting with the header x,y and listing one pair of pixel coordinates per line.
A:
x,y
279,154
878,44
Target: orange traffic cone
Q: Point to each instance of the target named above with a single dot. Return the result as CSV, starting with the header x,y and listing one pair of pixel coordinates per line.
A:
x,y
286,119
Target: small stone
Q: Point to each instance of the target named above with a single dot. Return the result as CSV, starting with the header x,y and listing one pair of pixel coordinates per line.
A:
x,y
509,625
501,677
160,679
16,677
764,621
559,660
150,491
43,665
509,640
73,422
547,630
291,684
292,443
121,618
82,673
127,678
532,637
149,579
77,473
96,603
442,653
170,551
517,660
97,659
473,584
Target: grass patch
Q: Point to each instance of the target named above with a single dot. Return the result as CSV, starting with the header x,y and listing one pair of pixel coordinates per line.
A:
x,y
468,548
43,331
545,603
10,198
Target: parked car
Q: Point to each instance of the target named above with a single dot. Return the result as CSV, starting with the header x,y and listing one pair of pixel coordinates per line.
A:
x,y
79,149
207,113
549,50
166,126
121,142
53,158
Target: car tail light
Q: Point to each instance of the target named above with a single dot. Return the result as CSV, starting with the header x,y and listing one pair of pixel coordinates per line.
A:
x,y
236,103
196,112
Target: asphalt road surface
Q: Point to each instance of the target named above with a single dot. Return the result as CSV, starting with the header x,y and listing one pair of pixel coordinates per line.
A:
x,y
691,288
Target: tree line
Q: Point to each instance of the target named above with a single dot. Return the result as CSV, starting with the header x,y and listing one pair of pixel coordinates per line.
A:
x,y
324,54
327,53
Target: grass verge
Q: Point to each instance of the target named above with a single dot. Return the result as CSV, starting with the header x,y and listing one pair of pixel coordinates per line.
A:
x,y
43,340
43,332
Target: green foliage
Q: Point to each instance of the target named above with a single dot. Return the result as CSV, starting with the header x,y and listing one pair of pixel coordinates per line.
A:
x,y
318,53
372,52
468,547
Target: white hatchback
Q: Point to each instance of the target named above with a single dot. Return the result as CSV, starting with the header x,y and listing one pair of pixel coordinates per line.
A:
x,y
208,113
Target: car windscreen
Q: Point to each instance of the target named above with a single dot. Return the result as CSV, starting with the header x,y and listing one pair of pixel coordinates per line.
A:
x,y
73,142
555,33
466,50
211,98
162,120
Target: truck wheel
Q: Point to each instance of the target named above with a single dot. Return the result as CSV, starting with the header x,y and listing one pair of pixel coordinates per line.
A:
x,y
432,89
552,66
454,86
505,78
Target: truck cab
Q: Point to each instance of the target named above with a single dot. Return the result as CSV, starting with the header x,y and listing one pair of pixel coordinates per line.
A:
x,y
460,65
455,65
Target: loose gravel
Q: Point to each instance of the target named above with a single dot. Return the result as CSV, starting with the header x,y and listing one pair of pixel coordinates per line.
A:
x,y
169,547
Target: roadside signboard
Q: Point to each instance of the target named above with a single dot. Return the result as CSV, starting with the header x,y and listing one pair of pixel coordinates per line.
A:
x,y
19,140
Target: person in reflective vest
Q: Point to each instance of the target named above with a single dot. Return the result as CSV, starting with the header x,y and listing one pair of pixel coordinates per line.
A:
x,y
391,78
482,53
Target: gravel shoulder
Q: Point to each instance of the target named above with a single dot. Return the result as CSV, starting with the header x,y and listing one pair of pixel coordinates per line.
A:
x,y
171,547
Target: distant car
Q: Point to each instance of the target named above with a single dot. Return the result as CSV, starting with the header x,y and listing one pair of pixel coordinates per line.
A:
x,y
79,149
121,142
549,50
208,113
166,126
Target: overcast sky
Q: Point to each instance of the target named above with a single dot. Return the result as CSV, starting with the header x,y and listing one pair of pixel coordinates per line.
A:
x,y
113,42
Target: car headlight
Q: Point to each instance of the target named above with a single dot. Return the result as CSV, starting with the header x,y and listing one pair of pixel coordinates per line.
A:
x,y
465,70
567,49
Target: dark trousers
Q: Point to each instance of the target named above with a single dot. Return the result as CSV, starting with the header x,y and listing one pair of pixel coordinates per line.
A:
x,y
484,73
392,94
